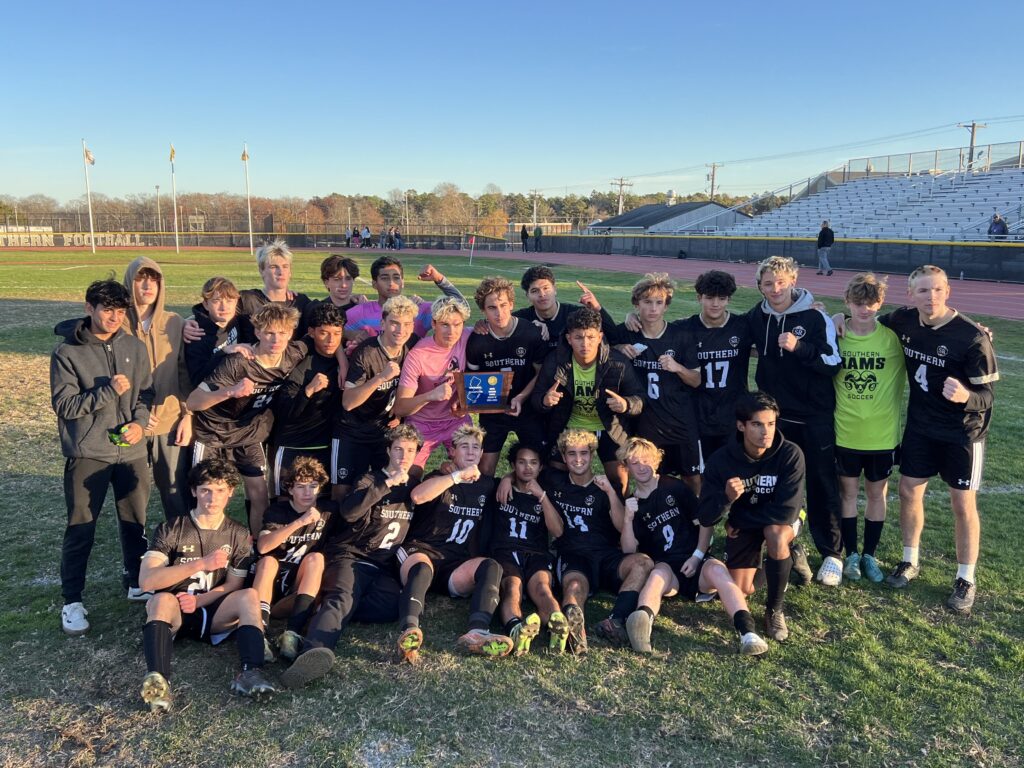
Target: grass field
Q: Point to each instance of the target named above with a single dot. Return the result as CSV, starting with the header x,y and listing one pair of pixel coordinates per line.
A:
x,y
869,676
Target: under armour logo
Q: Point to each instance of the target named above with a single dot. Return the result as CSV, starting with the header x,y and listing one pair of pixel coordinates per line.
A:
x,y
963,482
188,548
905,339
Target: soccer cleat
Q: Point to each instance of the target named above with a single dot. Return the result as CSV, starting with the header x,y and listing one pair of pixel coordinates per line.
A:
x,y
252,683
830,574
851,569
775,625
484,643
961,599
577,640
801,572
409,644
558,632
138,595
156,692
309,666
752,644
289,643
903,575
870,568
72,619
524,632
638,630
268,651
612,630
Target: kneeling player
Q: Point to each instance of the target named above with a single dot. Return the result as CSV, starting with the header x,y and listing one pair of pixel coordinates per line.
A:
x,y
660,521
196,567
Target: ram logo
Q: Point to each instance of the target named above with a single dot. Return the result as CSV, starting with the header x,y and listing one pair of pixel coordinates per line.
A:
x,y
860,382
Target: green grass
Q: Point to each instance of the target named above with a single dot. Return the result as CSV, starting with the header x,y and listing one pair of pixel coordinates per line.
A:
x,y
869,676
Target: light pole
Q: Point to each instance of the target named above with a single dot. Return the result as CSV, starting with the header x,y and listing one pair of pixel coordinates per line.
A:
x,y
159,220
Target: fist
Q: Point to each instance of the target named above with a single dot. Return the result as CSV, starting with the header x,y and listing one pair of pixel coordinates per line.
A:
x,y
399,478
312,515
215,560
430,273
670,364
469,475
632,505
391,370
186,602
787,341
120,383
602,482
534,487
954,391
441,392
318,383
733,488
244,388
132,433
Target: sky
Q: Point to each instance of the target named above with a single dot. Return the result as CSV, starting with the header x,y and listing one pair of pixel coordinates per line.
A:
x,y
363,98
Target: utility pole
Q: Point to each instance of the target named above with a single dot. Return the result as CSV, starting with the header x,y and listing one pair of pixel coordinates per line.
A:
x,y
711,177
159,221
622,184
535,193
973,128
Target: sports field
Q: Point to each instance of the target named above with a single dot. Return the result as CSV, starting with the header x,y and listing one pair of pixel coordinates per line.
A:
x,y
869,676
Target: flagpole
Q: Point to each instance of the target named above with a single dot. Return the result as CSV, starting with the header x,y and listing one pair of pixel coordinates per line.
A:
x,y
248,199
174,200
88,195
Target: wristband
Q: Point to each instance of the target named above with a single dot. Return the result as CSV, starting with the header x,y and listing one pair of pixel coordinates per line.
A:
x,y
698,554
456,477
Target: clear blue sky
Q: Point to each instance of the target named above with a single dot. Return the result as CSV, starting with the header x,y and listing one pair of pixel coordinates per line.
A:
x,y
366,97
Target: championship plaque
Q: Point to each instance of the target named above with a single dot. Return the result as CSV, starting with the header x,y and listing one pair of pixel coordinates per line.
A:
x,y
484,391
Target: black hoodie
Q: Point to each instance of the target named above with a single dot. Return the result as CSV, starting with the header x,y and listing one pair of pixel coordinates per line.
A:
x,y
202,357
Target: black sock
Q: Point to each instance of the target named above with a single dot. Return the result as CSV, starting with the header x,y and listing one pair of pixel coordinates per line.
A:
x,y
302,610
156,644
484,602
646,610
511,624
848,527
776,574
250,646
743,622
265,614
872,535
414,594
625,604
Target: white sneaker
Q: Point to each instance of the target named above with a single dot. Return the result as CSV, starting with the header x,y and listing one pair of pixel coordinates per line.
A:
x,y
72,618
831,572
138,595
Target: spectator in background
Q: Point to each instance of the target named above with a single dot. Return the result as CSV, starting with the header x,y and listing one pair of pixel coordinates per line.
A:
x,y
997,229
537,233
367,238
826,237
399,243
524,235
348,237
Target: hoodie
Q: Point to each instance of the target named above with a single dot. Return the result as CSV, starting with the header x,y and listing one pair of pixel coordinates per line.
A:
x,y
86,404
801,380
203,356
164,346
772,485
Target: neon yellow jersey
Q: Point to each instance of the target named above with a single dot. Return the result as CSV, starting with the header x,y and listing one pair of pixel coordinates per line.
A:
x,y
869,391
584,399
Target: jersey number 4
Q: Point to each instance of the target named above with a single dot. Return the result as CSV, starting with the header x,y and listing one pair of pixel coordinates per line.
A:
x,y
921,376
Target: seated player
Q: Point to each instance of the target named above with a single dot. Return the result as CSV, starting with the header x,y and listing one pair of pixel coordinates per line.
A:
x,y
232,404
519,542
442,551
661,521
217,319
368,400
338,274
547,312
359,546
510,344
756,481
196,567
288,572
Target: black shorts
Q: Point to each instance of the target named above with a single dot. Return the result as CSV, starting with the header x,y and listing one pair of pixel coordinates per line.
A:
x,y
606,449
682,458
353,458
688,585
601,568
711,443
876,465
744,549
960,466
528,428
249,460
444,565
284,456
198,624
522,565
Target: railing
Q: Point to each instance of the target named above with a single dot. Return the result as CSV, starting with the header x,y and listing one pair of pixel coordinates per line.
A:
x,y
986,157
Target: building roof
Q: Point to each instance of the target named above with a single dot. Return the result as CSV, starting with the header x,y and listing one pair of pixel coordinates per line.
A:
x,y
655,213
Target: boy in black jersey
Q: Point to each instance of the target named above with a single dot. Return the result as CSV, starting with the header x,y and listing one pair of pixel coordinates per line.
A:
x,y
368,399
951,367
217,319
359,547
547,312
661,521
307,403
232,404
196,567
509,344
756,481
443,551
288,573
519,542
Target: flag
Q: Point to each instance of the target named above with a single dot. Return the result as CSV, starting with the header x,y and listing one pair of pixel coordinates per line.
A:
x,y
245,155
172,153
90,158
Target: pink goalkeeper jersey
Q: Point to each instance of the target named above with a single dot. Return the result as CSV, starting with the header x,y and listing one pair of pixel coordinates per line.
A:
x,y
425,367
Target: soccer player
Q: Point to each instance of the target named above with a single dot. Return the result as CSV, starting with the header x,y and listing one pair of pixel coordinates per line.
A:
x,y
101,389
798,357
756,482
274,261
442,551
951,367
196,568
427,398
547,312
169,431
338,274
519,542
232,404
288,572
661,521
217,319
510,344
869,398
368,400
359,546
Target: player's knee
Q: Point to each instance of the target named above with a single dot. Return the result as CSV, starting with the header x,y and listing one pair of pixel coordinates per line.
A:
x,y
640,565
489,571
314,562
161,606
267,566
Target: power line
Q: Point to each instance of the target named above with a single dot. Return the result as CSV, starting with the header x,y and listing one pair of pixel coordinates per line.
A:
x,y
622,184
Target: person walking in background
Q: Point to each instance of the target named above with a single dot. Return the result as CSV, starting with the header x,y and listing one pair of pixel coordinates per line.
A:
x,y
399,243
537,233
524,235
826,237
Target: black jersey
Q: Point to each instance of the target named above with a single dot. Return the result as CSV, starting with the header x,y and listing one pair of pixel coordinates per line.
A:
x,y
518,352
203,356
957,348
244,420
556,324
586,512
304,539
372,521
252,300
722,355
301,421
665,524
668,415
307,313
369,420
519,525
453,523
183,541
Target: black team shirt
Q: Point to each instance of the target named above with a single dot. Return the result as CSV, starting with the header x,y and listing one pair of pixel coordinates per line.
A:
x,y
453,524
301,421
372,521
301,541
369,421
665,524
587,514
252,300
183,541
517,353
518,526
722,355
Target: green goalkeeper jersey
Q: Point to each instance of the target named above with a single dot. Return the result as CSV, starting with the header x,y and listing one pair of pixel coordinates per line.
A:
x,y
869,391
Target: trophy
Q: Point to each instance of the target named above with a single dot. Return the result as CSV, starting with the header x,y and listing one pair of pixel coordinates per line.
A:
x,y
484,391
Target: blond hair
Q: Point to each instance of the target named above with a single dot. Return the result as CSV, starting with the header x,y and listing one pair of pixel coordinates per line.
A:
x,y
654,282
576,438
399,306
780,265
468,432
638,446
278,249
446,306
926,270
865,288
219,286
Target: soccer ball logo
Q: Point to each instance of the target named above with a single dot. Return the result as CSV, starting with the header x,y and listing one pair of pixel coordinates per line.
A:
x,y
799,331
734,341
942,350
342,473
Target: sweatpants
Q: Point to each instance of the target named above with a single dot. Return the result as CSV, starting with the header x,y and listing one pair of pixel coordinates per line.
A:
x,y
170,464
818,442
353,590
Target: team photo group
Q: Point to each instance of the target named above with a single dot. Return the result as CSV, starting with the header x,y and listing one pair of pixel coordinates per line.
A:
x,y
640,464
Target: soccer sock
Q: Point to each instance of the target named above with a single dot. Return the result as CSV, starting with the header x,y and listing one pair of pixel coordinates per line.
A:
x,y
776,574
484,602
872,535
156,644
910,555
301,613
965,571
625,604
848,527
743,622
265,614
511,624
647,610
414,594
250,646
